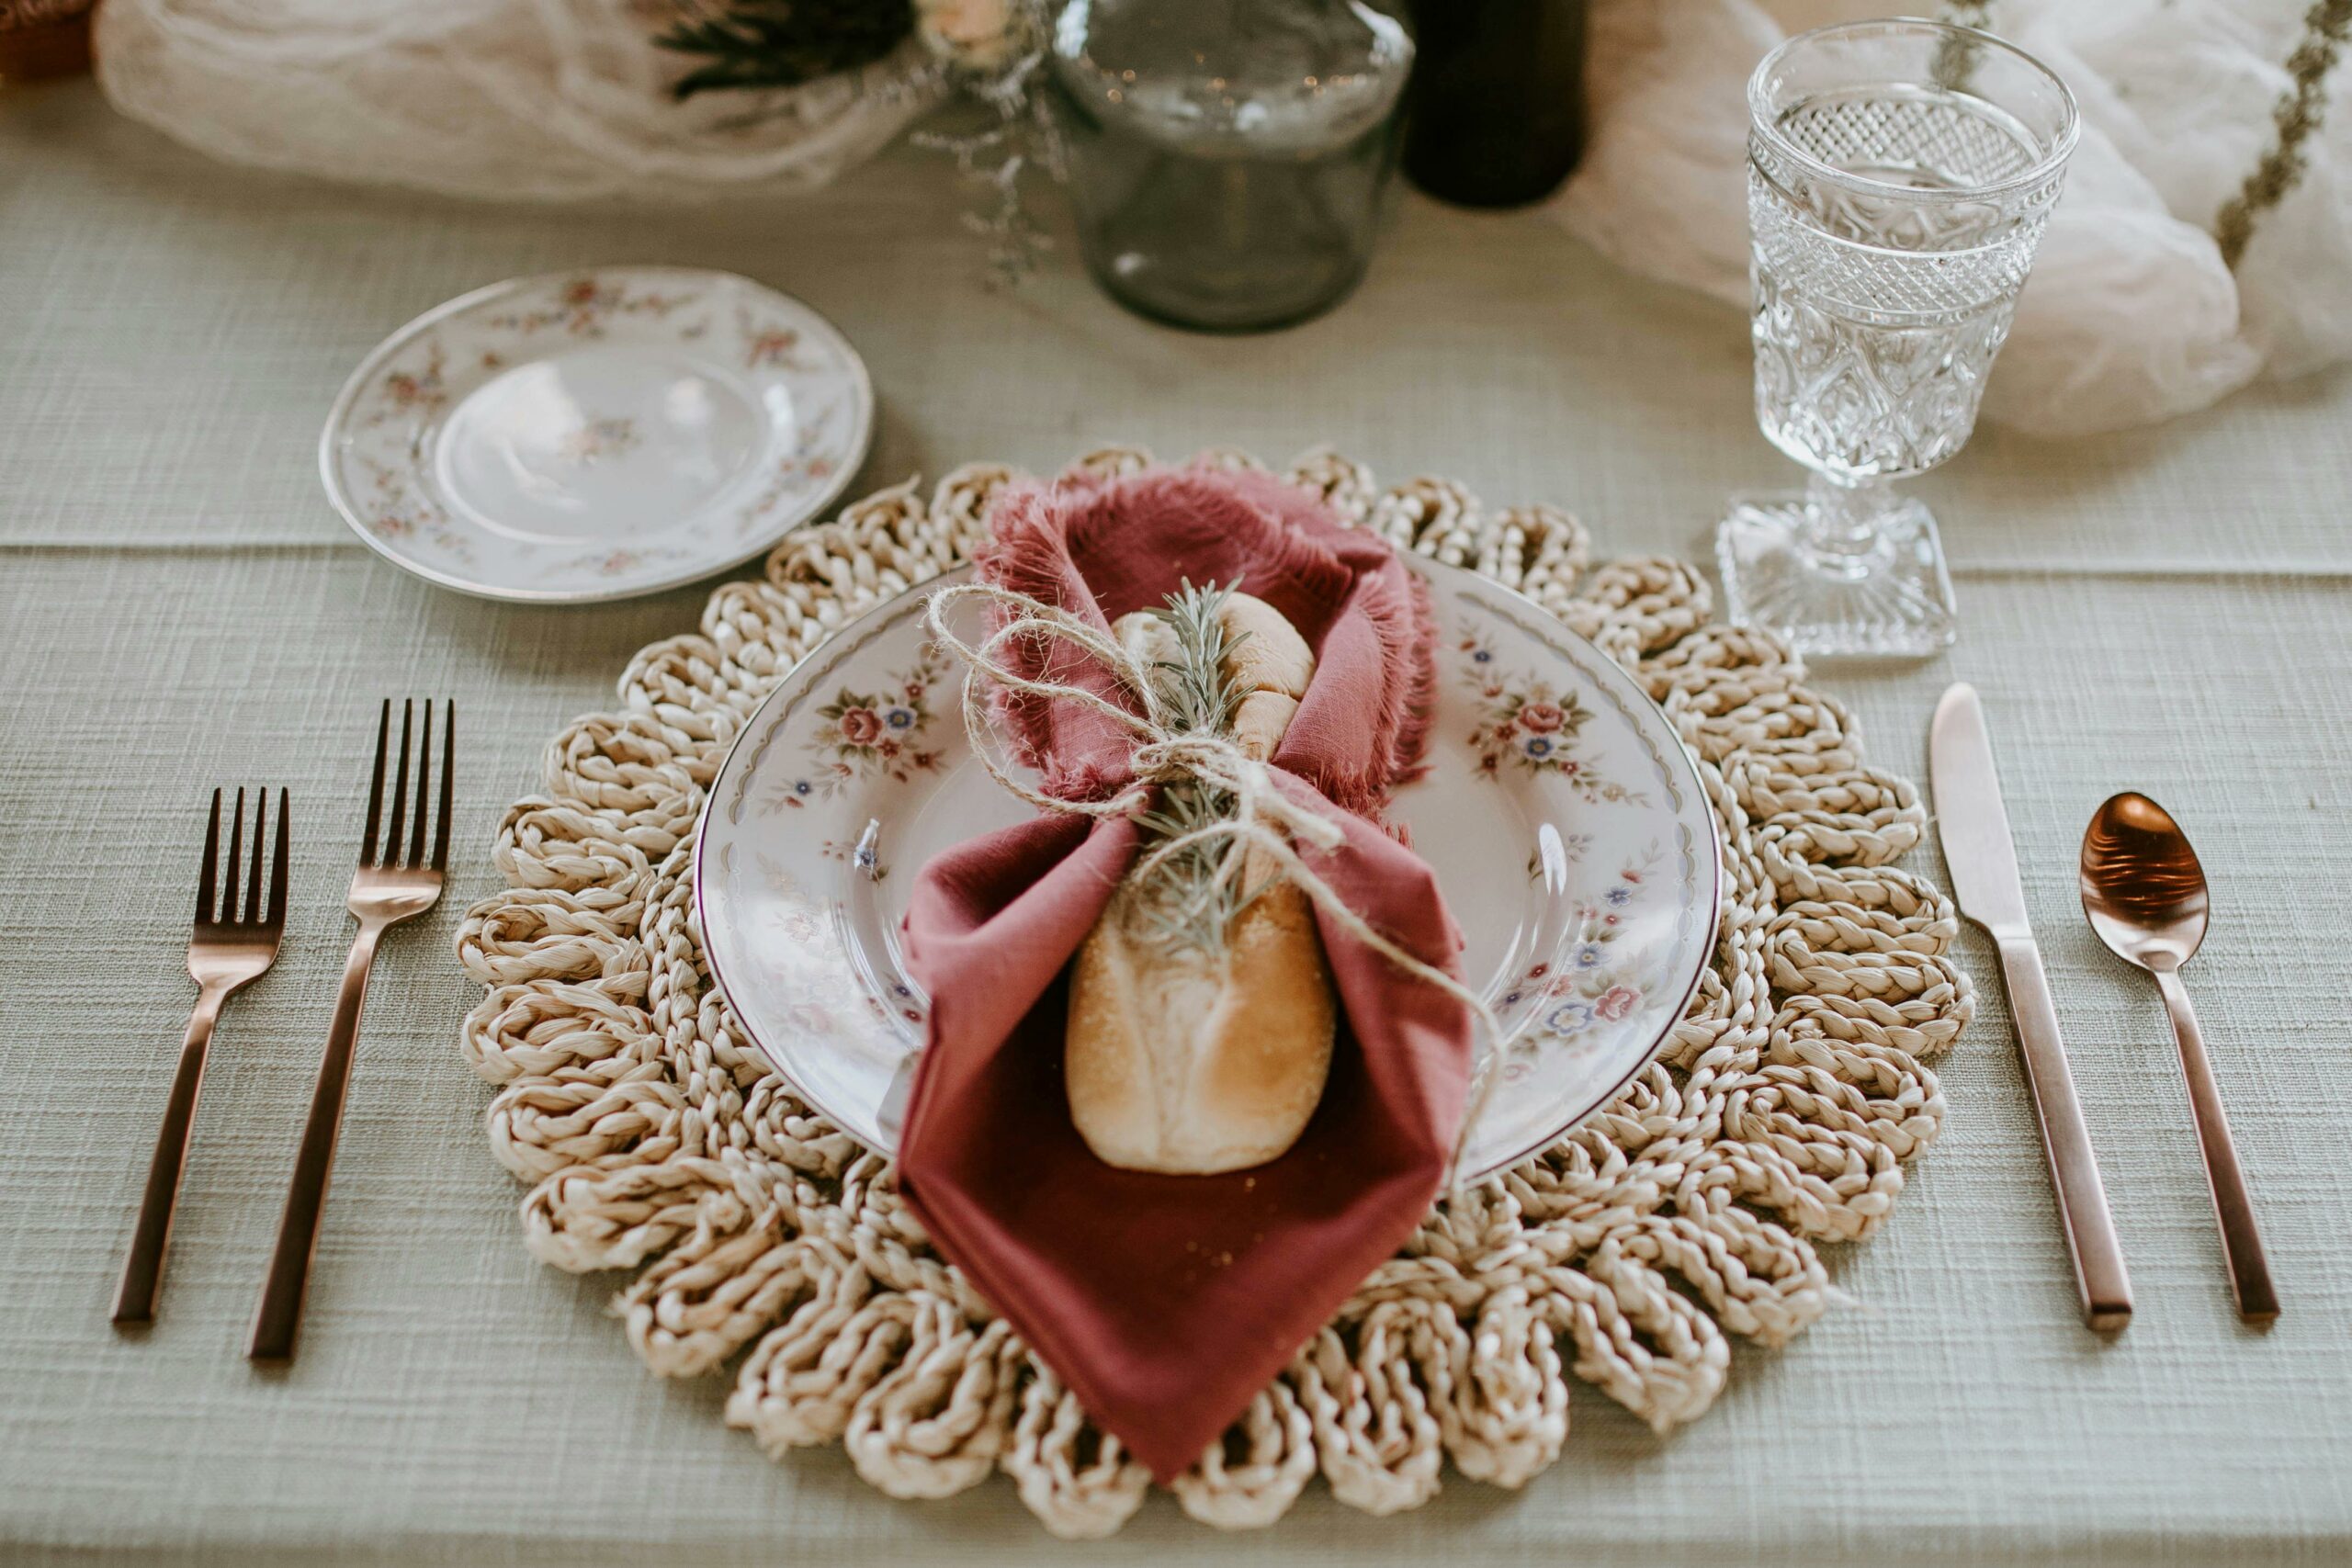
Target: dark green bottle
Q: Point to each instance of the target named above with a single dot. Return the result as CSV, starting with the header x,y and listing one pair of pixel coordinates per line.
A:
x,y
1495,112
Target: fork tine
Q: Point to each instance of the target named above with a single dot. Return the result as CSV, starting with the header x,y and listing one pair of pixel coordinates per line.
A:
x,y
261,852
399,788
275,912
236,859
448,784
375,788
204,883
424,785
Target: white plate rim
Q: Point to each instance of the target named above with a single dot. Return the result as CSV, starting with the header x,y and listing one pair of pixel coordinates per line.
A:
x,y
400,338
1613,673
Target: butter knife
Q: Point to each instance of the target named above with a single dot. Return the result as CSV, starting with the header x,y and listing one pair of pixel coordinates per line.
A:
x,y
1983,861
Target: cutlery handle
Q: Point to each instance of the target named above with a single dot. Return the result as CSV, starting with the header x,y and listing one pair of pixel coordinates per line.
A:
x,y
2233,1204
280,1312
143,1272
2099,1275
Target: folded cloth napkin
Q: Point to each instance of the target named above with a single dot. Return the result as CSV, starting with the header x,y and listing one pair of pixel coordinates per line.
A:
x,y
1166,1302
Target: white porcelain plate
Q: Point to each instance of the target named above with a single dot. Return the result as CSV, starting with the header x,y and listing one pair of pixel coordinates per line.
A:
x,y
1564,817
596,434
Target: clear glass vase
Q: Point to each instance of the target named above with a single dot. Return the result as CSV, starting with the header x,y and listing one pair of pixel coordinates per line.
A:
x,y
1899,176
1226,159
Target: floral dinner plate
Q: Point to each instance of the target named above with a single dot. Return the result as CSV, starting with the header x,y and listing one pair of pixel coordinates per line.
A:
x,y
596,434
1563,816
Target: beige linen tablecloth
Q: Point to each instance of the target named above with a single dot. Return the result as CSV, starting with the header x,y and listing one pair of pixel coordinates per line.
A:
x,y
2170,609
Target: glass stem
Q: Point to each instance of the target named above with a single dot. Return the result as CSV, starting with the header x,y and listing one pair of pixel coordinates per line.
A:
x,y
1842,532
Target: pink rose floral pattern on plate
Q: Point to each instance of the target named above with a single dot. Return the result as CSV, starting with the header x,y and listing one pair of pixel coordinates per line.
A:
x,y
422,391
1527,723
1586,926
805,466
586,435
1585,983
585,307
398,514
863,736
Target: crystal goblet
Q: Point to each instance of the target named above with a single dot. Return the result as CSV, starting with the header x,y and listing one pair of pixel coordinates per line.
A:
x,y
1899,176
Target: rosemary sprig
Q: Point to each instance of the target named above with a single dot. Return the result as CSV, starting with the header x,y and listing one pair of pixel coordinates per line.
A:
x,y
1195,687
783,43
1188,906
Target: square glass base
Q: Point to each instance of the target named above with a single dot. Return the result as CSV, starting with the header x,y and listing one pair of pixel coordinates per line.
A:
x,y
1893,601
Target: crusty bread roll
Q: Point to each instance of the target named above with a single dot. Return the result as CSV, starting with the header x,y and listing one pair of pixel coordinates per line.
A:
x,y
1147,639
1189,1063
1260,721
1183,1060
1266,653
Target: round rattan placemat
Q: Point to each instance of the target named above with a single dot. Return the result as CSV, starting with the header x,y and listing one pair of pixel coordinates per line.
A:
x,y
1781,1113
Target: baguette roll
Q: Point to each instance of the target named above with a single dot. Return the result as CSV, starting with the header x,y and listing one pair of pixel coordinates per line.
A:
x,y
1147,639
1259,722
1191,1061
1265,652
1188,1063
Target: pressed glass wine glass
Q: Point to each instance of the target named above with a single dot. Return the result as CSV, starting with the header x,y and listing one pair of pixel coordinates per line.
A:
x,y
1899,175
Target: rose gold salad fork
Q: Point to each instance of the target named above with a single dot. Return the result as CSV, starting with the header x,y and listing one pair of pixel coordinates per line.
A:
x,y
395,882
230,946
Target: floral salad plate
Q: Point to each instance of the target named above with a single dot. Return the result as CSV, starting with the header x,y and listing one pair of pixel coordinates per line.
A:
x,y
1563,819
596,434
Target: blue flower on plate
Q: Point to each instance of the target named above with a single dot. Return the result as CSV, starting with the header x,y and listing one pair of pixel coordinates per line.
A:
x,y
1588,956
1481,656
802,787
1619,895
898,716
1535,747
1571,1017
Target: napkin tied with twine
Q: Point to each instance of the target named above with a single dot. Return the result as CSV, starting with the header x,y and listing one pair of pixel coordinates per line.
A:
x,y
1166,1302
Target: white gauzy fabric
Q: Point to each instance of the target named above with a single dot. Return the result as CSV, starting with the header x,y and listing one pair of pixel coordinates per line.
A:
x,y
2131,315
530,99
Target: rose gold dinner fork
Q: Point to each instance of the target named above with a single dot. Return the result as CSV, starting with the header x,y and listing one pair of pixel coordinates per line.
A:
x,y
230,948
395,882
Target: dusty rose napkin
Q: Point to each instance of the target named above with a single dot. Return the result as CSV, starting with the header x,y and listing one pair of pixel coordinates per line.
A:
x,y
1167,1302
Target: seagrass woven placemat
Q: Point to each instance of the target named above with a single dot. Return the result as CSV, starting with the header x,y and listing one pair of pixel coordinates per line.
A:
x,y
1780,1114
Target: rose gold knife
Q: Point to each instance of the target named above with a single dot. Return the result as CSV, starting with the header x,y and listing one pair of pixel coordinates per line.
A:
x,y
1983,861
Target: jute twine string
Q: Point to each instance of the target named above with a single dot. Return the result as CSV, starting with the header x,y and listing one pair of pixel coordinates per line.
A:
x,y
1261,827
1779,1116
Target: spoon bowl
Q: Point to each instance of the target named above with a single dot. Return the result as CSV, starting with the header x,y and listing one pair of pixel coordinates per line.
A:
x,y
2142,886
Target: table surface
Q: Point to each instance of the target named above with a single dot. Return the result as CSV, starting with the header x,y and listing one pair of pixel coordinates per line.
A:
x,y
2166,609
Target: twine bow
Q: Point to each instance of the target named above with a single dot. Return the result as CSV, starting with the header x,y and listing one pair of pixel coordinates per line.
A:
x,y
1264,818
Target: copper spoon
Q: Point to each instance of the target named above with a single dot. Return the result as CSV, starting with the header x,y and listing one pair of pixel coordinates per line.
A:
x,y
2145,895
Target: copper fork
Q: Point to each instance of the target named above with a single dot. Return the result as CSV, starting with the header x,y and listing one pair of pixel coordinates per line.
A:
x,y
396,881
232,945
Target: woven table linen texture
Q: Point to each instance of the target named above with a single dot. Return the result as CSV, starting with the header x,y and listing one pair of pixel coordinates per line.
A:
x,y
2168,610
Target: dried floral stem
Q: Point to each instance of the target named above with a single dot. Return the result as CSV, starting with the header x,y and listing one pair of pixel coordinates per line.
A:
x,y
1020,137
2297,116
1956,57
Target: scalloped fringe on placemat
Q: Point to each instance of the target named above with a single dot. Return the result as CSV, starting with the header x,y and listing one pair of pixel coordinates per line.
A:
x,y
1778,1115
